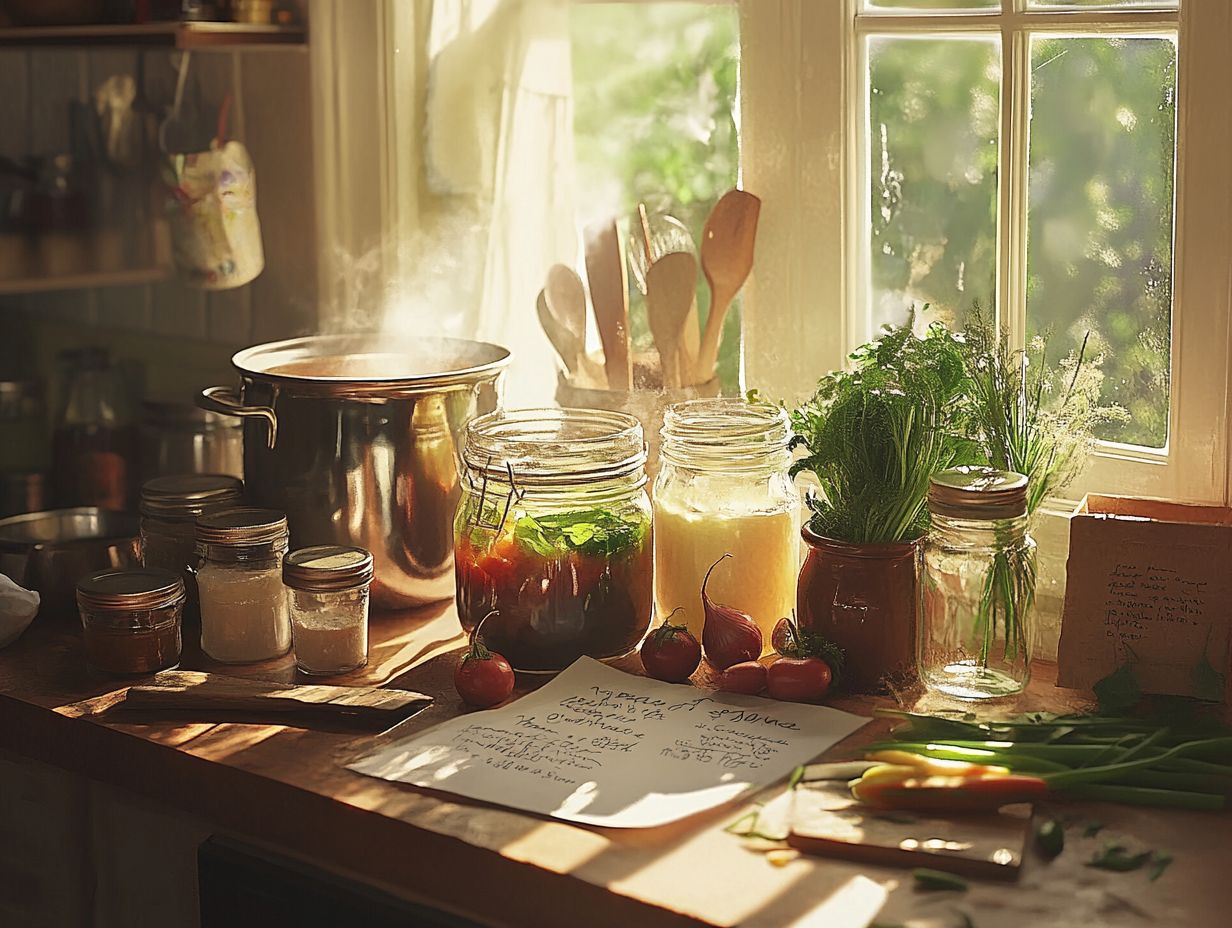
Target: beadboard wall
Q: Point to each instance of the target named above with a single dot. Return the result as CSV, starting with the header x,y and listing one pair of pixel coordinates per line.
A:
x,y
183,336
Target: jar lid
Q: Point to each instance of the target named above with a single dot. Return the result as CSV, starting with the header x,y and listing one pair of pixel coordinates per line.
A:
x,y
241,527
126,590
327,568
978,493
556,447
187,496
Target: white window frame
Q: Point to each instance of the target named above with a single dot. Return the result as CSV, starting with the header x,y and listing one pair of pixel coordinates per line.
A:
x,y
802,111
805,122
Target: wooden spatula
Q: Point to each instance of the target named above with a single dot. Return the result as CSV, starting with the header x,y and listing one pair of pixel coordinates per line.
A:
x,y
609,295
670,286
563,340
567,302
728,240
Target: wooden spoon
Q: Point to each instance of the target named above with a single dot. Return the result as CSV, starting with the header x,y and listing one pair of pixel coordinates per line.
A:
x,y
567,303
728,240
563,340
609,295
670,286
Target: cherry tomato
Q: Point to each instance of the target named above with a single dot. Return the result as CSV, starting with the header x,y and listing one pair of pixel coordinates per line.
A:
x,y
748,677
482,678
794,679
671,653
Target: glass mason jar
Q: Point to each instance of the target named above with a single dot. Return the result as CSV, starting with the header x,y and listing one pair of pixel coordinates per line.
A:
x,y
723,489
244,609
977,591
327,588
553,543
170,507
130,619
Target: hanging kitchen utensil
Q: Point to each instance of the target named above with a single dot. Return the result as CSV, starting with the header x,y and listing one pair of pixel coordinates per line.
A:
x,y
562,339
566,302
728,241
609,295
670,285
656,236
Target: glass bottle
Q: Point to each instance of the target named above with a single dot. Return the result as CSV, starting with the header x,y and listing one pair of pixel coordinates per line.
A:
x,y
327,587
553,544
244,610
977,591
130,619
94,440
724,488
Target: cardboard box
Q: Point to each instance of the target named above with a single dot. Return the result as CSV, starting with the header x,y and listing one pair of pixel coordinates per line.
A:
x,y
1149,582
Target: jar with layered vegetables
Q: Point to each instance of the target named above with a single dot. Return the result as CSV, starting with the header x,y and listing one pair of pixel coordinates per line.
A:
x,y
977,589
553,540
724,489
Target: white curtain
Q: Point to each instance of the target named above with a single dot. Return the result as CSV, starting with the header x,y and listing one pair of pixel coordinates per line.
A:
x,y
498,153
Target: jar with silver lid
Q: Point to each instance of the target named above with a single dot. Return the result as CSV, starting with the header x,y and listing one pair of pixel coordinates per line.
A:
x,y
170,507
130,619
977,588
327,588
244,614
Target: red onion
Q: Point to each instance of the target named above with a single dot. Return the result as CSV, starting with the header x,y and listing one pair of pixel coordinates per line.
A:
x,y
729,636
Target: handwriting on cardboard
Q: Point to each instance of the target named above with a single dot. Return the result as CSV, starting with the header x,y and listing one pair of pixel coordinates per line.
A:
x,y
1148,583
603,747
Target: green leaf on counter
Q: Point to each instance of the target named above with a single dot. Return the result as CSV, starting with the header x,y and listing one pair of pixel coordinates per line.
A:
x,y
1118,691
927,880
1116,858
1093,828
1159,863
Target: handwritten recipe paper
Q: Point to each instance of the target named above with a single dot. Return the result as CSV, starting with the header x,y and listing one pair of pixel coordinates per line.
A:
x,y
1149,583
602,747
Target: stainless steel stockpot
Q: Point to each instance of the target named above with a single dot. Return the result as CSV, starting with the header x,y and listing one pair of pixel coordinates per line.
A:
x,y
356,438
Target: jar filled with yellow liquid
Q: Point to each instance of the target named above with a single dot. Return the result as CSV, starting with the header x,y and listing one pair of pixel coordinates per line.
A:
x,y
724,488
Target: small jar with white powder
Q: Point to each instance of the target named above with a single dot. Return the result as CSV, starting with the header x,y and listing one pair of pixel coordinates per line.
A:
x,y
327,588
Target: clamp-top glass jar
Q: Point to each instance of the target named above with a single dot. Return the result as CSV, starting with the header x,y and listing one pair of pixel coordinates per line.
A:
x,y
723,489
553,543
244,610
977,595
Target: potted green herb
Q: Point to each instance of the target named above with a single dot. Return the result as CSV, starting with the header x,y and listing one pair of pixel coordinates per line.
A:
x,y
874,435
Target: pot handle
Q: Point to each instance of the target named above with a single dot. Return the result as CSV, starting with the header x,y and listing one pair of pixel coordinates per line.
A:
x,y
226,401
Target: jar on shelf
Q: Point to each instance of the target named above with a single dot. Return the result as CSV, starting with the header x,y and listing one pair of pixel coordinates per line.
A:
x,y
327,586
244,610
977,590
724,488
553,542
130,619
170,507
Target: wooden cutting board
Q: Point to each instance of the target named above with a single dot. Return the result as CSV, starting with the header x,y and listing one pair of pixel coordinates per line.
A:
x,y
825,820
192,691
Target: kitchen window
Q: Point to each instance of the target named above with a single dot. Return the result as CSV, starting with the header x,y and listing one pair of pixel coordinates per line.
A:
x,y
926,151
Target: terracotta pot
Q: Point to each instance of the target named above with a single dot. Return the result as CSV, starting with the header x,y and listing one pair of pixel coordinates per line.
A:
x,y
863,598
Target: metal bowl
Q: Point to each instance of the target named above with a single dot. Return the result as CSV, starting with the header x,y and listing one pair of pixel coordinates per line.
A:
x,y
50,551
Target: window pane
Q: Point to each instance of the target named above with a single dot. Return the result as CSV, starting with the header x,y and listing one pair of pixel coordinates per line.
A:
x,y
1103,120
929,6
933,125
1105,4
655,122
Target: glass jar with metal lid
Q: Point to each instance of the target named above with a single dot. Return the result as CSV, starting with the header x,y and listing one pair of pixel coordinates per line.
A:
x,y
170,507
328,593
977,591
244,614
724,488
130,619
553,541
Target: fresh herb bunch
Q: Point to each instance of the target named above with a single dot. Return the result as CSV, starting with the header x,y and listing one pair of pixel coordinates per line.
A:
x,y
1031,418
875,434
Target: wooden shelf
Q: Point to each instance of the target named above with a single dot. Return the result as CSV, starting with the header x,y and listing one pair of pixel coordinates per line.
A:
x,y
196,36
128,277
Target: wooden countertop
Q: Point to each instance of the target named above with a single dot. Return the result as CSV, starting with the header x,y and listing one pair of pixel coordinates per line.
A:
x,y
285,787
